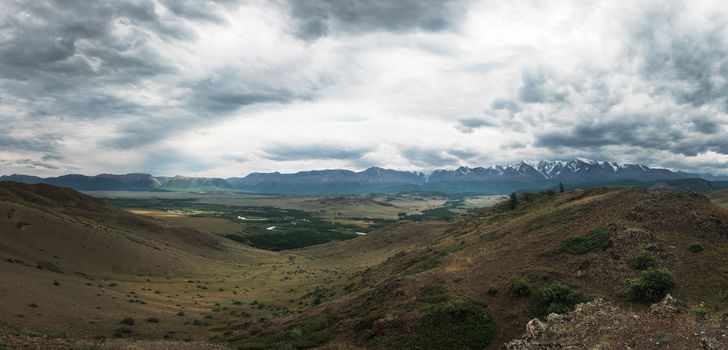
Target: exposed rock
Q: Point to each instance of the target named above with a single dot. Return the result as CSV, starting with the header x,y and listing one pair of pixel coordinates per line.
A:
x,y
390,324
669,306
600,325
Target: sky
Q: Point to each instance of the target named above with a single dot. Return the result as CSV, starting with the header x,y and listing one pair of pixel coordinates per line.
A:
x,y
230,87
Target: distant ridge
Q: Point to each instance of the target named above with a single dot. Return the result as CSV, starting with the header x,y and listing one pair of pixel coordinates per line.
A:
x,y
527,174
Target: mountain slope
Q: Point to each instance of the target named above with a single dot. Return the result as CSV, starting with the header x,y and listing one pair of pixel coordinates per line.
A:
x,y
498,179
73,265
479,257
108,182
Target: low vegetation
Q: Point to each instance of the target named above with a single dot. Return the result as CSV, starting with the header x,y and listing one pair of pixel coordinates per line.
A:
x,y
695,247
595,240
557,298
651,286
451,325
520,287
644,260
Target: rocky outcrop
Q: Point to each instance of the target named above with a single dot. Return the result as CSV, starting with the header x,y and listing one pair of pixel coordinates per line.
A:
x,y
601,325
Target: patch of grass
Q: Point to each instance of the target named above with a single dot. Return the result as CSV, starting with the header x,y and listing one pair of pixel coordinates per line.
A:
x,y
595,240
651,286
699,310
520,287
452,325
312,333
433,293
557,298
695,247
47,265
644,260
121,332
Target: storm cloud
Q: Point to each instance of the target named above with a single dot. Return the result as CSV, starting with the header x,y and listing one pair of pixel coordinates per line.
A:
x,y
229,87
318,18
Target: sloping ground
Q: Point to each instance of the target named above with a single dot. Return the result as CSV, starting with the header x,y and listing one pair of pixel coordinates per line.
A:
x,y
478,258
74,266
601,325
77,272
719,198
40,342
43,224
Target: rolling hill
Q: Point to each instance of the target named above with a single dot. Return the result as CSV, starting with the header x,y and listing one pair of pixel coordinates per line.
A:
x,y
471,283
583,244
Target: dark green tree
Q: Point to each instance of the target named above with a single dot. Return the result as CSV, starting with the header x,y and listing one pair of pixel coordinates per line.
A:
x,y
561,187
513,201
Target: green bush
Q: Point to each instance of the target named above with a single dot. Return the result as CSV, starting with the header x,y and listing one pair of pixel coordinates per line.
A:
x,y
651,286
557,298
699,310
433,293
520,287
595,240
695,247
644,260
452,325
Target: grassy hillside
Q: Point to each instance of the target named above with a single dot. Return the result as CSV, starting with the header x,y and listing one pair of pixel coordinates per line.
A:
x,y
719,197
81,271
550,252
77,268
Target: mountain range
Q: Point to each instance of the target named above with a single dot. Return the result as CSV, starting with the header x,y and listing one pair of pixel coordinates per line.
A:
x,y
525,175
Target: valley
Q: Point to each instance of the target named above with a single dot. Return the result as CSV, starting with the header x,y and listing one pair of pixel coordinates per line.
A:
x,y
164,271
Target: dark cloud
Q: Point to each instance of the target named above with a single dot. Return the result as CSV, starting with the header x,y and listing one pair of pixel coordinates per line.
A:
x,y
192,9
429,157
314,152
633,131
507,105
317,18
538,86
706,125
229,93
43,142
468,125
464,154
687,63
29,163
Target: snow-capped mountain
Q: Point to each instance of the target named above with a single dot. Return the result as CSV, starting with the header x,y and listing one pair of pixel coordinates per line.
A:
x,y
527,174
578,170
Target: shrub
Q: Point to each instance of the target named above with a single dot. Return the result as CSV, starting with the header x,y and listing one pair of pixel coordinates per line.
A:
x,y
651,286
520,287
644,260
695,247
128,321
452,325
152,320
577,245
121,331
433,293
513,201
699,310
492,291
557,298
181,313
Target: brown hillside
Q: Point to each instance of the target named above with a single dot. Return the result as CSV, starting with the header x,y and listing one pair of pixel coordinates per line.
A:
x,y
490,249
